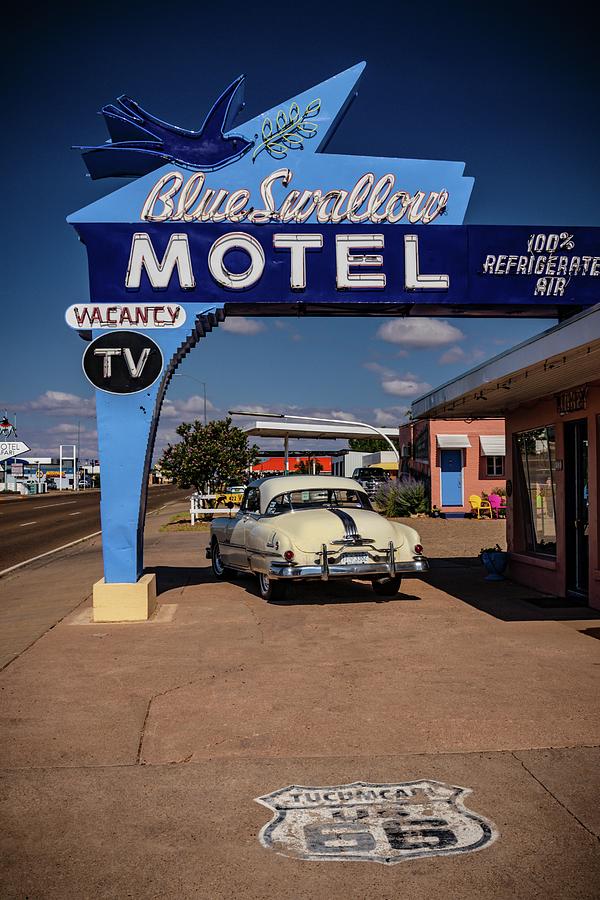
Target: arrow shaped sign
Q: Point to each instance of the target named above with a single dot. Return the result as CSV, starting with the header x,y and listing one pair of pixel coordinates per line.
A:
x,y
9,449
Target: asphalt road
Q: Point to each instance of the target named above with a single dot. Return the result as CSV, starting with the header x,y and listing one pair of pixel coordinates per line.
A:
x,y
30,526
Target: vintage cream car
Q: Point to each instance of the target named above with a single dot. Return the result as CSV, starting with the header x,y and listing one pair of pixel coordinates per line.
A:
x,y
296,527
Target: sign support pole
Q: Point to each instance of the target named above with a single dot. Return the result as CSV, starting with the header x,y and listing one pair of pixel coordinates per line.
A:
x,y
127,425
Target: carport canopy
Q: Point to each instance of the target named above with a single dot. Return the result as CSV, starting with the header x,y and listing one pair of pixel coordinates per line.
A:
x,y
284,429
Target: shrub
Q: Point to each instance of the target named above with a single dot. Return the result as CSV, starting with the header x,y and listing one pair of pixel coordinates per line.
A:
x,y
403,499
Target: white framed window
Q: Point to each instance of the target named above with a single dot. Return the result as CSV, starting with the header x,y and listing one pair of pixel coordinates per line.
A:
x,y
495,465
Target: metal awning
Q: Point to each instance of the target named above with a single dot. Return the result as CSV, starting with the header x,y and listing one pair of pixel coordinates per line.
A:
x,y
563,357
452,441
492,444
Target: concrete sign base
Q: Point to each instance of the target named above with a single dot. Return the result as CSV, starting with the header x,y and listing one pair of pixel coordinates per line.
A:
x,y
124,602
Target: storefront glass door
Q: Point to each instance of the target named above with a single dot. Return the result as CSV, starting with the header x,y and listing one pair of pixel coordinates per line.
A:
x,y
576,506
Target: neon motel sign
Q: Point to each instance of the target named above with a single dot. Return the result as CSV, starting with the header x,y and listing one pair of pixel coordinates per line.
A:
x,y
256,219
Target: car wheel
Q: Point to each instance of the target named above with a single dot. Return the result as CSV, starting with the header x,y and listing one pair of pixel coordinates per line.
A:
x,y
270,589
220,570
387,587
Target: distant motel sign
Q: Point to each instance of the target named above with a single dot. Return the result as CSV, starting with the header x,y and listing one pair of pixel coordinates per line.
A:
x,y
256,219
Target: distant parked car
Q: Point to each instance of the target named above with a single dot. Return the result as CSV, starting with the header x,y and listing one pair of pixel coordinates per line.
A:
x,y
301,527
371,478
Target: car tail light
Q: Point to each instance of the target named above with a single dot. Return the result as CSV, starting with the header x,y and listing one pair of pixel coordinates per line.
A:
x,y
418,549
288,555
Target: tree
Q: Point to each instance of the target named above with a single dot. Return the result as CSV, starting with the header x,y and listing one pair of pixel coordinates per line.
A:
x,y
216,455
368,444
308,467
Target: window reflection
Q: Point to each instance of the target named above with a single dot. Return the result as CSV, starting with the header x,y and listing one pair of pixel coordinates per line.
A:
x,y
536,452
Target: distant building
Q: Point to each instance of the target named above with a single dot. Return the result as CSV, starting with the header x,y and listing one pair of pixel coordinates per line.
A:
x,y
275,463
344,462
456,458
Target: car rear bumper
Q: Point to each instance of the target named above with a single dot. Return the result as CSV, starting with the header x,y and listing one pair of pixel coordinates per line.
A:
x,y
418,565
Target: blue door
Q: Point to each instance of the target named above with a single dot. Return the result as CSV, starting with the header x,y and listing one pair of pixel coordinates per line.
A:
x,y
451,477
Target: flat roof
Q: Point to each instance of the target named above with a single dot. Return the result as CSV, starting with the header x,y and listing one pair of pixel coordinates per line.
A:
x,y
279,428
560,358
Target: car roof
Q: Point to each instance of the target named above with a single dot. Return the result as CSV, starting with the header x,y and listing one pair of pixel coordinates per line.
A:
x,y
273,485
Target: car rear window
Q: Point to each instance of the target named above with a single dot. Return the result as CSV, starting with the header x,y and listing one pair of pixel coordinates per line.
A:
x,y
319,498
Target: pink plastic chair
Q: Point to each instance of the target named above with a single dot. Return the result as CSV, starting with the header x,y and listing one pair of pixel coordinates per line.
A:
x,y
495,503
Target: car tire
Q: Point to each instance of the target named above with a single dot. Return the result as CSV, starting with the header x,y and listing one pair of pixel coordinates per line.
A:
x,y
219,570
387,587
270,588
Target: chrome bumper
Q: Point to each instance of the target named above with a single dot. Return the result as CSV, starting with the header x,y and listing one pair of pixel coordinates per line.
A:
x,y
326,570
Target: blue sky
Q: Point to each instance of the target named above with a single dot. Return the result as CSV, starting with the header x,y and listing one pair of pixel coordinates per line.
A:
x,y
510,91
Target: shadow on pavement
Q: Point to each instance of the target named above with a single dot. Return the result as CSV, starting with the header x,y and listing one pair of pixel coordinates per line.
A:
x,y
169,578
464,579
591,632
318,596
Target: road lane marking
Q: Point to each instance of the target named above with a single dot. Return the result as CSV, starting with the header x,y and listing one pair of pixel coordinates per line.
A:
x,y
23,524
48,553
87,537
48,505
75,514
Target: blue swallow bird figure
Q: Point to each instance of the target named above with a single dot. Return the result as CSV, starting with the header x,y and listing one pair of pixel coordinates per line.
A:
x,y
141,143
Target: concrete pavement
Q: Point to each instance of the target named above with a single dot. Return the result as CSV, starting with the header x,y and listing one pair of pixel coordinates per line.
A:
x,y
131,754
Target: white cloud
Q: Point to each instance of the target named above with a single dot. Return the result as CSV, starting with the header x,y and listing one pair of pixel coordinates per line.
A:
x,y
59,403
406,385
338,414
419,332
379,369
70,429
458,355
179,409
257,408
390,417
242,325
453,355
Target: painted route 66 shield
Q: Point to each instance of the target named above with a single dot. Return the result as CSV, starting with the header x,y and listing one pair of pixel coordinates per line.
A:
x,y
383,823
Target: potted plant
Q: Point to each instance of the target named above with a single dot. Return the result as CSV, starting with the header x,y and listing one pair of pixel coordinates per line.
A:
x,y
495,561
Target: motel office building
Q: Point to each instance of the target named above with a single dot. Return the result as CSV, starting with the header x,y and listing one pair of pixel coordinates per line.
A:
x,y
548,391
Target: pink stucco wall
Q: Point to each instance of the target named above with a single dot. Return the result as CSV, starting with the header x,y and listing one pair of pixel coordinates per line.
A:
x,y
475,477
547,575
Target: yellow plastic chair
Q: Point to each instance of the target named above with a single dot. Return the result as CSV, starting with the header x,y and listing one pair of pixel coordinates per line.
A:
x,y
480,507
